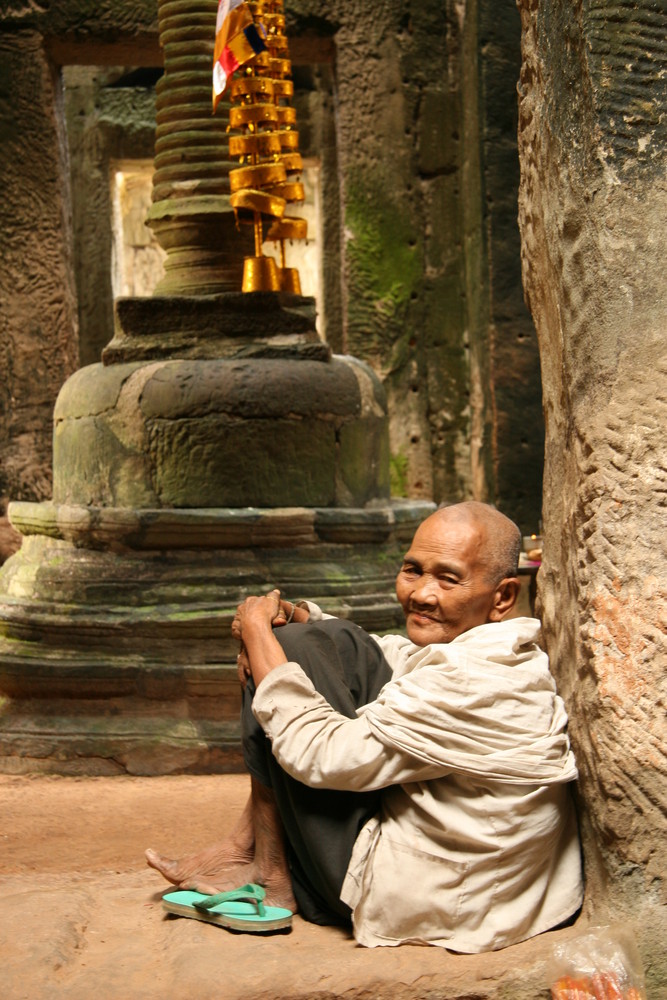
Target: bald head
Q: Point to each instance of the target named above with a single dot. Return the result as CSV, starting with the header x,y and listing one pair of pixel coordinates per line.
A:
x,y
500,537
459,572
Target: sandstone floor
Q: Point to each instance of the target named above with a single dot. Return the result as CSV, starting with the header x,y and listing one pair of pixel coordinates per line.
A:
x,y
80,914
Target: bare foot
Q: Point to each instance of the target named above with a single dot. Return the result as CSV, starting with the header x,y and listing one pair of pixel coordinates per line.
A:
x,y
205,871
254,852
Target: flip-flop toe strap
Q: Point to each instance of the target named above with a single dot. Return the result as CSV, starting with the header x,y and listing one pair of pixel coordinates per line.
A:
x,y
250,893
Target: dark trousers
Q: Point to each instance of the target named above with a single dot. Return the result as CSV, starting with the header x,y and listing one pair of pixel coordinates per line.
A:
x,y
347,667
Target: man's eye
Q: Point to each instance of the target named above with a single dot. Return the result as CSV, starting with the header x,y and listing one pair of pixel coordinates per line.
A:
x,y
411,570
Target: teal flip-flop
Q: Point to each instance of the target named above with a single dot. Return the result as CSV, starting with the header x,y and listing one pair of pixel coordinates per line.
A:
x,y
239,909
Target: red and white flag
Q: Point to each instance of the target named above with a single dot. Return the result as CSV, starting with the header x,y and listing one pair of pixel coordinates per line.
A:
x,y
237,39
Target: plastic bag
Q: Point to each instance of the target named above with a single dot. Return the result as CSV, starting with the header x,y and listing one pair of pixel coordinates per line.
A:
x,y
603,964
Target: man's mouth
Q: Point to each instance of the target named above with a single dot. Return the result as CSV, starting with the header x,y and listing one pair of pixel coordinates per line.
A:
x,y
422,614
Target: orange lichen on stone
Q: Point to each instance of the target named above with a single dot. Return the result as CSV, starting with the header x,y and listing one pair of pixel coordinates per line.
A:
x,y
620,632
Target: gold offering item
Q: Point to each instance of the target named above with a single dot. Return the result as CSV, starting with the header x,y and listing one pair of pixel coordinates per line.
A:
x,y
264,139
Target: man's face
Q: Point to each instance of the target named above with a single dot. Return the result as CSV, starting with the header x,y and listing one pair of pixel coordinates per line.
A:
x,y
441,585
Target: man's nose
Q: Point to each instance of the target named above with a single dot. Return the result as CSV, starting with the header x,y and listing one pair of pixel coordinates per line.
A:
x,y
426,590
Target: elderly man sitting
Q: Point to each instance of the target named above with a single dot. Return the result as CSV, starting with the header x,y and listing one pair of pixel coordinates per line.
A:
x,y
417,787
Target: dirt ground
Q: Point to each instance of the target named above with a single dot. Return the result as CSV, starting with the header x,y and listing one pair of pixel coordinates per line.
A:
x,y
80,913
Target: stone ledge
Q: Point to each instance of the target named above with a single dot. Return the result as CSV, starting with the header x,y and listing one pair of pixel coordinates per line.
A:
x,y
100,745
115,623
214,528
34,672
227,325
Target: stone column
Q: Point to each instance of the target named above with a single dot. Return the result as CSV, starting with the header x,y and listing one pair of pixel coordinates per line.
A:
x,y
592,209
218,450
190,214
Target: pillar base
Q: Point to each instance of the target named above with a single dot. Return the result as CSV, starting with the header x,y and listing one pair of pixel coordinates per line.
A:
x,y
231,325
115,645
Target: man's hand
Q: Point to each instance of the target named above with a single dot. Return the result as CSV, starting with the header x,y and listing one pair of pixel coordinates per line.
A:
x,y
253,626
257,612
285,612
290,612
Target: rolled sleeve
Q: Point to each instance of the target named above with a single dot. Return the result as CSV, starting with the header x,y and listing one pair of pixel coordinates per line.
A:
x,y
322,748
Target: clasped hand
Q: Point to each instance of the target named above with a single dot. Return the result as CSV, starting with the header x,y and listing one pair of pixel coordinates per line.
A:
x,y
260,614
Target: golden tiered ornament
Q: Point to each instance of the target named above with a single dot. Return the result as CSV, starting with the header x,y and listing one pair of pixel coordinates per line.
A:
x,y
264,138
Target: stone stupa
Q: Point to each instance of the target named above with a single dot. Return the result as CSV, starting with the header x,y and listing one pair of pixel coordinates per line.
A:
x,y
217,450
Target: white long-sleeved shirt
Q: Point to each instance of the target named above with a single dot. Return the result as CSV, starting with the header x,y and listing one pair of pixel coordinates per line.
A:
x,y
476,844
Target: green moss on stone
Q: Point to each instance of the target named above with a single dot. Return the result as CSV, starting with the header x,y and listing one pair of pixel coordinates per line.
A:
x,y
398,473
384,252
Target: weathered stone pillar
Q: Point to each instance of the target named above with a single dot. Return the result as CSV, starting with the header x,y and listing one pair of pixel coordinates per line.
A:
x,y
190,214
217,451
593,207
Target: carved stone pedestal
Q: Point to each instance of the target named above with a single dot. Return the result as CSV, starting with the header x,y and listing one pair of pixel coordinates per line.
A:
x,y
115,646
183,483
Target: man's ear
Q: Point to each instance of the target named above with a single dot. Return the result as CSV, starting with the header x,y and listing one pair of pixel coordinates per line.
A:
x,y
504,598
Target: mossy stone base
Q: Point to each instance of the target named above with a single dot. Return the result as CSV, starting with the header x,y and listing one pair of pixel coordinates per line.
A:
x,y
115,625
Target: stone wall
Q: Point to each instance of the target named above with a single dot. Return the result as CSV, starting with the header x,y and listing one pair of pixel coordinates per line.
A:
x,y
426,118
411,111
38,307
593,208
109,118
517,425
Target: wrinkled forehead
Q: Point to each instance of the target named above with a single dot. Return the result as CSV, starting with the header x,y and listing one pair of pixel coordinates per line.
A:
x,y
451,536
